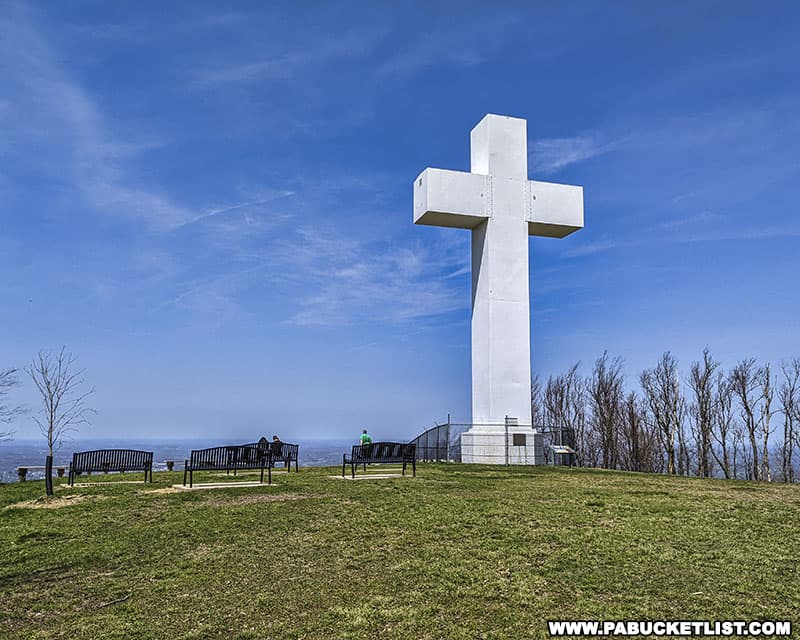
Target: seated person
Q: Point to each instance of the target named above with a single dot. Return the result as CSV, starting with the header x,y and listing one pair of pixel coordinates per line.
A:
x,y
277,446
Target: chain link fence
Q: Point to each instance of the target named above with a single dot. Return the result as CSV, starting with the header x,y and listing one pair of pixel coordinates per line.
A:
x,y
442,442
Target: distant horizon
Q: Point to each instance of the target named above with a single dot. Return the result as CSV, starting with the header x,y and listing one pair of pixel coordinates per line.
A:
x,y
153,439
31,453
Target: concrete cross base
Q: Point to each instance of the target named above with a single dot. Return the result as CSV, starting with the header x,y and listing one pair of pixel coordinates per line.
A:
x,y
491,445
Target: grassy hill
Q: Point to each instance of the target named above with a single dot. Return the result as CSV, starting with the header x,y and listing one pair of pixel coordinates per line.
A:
x,y
458,552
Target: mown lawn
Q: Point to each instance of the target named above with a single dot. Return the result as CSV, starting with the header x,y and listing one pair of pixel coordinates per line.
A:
x,y
458,552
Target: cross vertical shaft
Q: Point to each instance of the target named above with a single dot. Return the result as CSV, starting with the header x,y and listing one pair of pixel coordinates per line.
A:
x,y
501,371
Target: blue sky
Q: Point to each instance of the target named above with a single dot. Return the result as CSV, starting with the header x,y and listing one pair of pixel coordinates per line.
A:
x,y
211,207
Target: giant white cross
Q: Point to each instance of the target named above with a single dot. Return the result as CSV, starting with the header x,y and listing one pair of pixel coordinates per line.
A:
x,y
502,208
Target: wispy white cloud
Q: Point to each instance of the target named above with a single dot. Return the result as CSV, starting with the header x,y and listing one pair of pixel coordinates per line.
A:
x,y
288,64
356,281
432,49
325,278
591,248
217,298
672,177
56,129
465,269
435,42
701,219
553,154
767,232
220,18
746,133
111,32
683,232
238,206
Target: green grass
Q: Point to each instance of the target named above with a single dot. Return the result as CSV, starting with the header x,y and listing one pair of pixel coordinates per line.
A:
x,y
458,552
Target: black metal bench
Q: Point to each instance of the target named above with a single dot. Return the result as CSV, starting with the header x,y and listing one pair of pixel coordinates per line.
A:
x,y
381,452
233,457
105,460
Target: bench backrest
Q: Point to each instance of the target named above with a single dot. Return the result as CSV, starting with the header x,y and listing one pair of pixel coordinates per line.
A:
x,y
384,452
279,450
287,451
242,456
112,460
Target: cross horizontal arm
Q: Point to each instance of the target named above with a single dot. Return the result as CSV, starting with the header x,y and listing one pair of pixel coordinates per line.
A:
x,y
451,198
553,210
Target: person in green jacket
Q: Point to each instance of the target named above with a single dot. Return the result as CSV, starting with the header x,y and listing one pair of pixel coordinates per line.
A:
x,y
365,439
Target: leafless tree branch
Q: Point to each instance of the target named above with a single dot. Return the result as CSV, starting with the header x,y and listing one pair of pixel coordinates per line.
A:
x,y
606,399
722,426
746,379
789,398
8,413
64,406
702,410
666,408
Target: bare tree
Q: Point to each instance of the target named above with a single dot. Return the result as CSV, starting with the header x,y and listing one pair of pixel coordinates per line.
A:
x,y
665,404
746,380
565,408
576,410
767,393
722,424
63,400
8,380
606,398
701,410
684,455
555,401
640,448
537,410
789,398
728,423
740,454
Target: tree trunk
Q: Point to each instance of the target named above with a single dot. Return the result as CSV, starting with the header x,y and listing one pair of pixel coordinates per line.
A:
x,y
48,475
754,449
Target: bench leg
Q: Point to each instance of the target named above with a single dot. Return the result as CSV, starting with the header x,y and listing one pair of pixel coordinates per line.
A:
x,y
414,468
404,467
262,475
185,469
190,478
353,470
269,475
